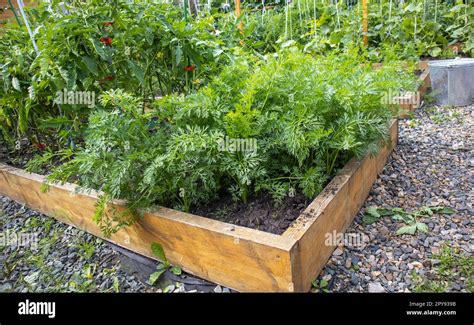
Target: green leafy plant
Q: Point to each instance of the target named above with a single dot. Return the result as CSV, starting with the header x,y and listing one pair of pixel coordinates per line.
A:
x,y
453,264
176,155
411,219
397,30
158,251
145,48
86,250
320,285
149,49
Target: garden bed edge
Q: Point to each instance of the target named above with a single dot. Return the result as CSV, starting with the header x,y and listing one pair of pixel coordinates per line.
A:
x,y
240,258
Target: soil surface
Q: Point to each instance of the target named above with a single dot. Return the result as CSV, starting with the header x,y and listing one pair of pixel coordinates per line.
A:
x,y
260,212
19,158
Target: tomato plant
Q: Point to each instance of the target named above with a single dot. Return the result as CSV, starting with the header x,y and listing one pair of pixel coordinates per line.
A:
x,y
143,48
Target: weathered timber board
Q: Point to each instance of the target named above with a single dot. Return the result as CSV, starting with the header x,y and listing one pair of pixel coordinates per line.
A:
x,y
333,210
412,101
240,258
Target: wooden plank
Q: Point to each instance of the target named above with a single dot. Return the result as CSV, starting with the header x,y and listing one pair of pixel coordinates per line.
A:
x,y
333,211
425,82
411,101
240,258
237,14
423,65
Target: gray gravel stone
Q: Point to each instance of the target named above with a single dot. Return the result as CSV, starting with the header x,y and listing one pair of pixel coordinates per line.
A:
x,y
376,287
422,171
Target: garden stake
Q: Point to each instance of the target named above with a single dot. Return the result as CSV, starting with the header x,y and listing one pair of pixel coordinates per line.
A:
x,y
315,20
307,12
237,13
185,5
20,6
390,11
365,24
414,32
196,6
291,25
299,12
424,10
12,8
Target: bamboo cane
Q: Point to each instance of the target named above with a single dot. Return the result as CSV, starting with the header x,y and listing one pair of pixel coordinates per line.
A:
x,y
365,23
14,12
237,13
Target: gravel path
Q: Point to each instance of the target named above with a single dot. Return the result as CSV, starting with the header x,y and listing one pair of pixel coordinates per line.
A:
x,y
432,166
44,255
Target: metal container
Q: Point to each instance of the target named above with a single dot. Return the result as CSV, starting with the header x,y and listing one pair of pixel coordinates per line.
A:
x,y
452,81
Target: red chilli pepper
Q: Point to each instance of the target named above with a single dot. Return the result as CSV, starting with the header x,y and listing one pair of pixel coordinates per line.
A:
x,y
107,78
106,40
108,23
40,146
189,68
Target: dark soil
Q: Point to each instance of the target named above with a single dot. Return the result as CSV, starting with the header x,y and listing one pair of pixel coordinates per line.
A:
x,y
18,158
260,212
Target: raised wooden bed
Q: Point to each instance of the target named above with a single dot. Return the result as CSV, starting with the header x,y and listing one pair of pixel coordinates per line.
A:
x,y
410,101
240,258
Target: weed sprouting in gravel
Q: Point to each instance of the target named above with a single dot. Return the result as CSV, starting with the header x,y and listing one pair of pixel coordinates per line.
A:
x,y
452,266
